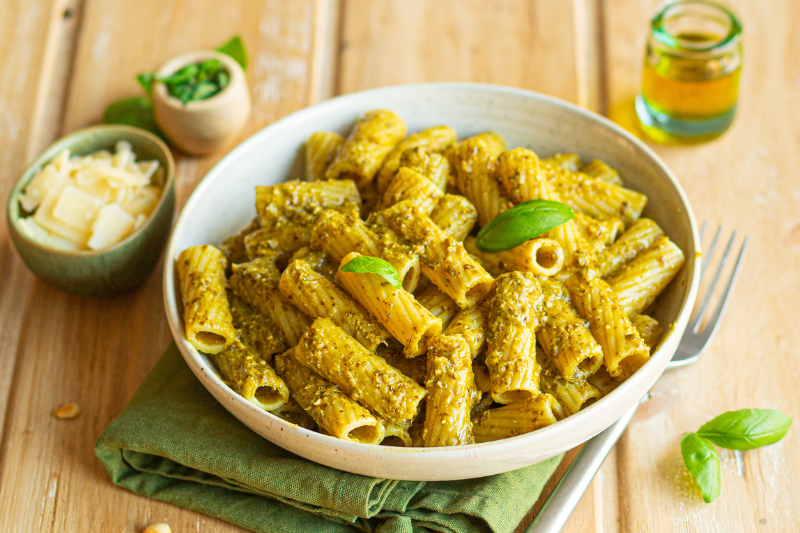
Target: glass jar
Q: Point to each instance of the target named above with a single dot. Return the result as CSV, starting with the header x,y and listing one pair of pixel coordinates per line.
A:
x,y
691,72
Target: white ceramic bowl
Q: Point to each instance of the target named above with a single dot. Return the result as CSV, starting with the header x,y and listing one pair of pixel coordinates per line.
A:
x,y
224,202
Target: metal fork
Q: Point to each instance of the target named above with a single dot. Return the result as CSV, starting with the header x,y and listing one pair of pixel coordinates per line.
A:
x,y
559,506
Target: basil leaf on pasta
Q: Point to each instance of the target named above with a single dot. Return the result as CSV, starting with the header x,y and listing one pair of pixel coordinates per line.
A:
x,y
702,461
521,223
374,265
746,429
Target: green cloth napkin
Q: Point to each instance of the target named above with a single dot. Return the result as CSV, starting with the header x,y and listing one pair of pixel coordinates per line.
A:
x,y
175,443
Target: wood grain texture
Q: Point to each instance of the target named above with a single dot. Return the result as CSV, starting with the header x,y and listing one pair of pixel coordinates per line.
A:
x,y
745,180
97,352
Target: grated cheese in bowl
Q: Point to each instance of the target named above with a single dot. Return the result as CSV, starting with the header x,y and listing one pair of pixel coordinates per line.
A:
x,y
90,202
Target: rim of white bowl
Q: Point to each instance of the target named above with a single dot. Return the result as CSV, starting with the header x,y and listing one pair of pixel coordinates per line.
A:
x,y
565,425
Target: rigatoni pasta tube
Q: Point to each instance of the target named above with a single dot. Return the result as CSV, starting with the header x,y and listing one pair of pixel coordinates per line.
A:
x,y
321,148
360,157
649,329
451,393
600,170
396,435
624,351
638,237
639,283
410,185
432,139
518,418
206,315
573,396
256,283
599,233
256,330
511,357
473,162
438,303
564,337
317,297
520,174
470,324
542,256
397,309
432,165
444,261
455,215
252,377
331,409
299,201
339,234
368,379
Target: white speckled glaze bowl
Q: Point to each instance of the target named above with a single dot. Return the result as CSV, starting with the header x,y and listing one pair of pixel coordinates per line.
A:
x,y
224,202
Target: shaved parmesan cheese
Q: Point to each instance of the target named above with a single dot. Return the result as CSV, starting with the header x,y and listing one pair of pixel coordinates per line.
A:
x,y
111,226
91,201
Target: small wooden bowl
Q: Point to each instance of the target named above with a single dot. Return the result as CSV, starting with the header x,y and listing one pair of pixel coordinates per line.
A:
x,y
206,126
119,268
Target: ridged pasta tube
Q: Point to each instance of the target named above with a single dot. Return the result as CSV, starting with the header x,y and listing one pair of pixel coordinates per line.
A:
x,y
438,303
256,330
444,261
451,393
638,284
599,233
624,351
251,376
516,419
336,356
603,382
570,161
397,309
331,409
411,185
470,324
649,329
514,317
280,241
433,139
319,260
595,197
321,148
520,174
432,165
256,283
542,256
317,297
373,138
396,435
573,396
600,170
474,161
564,337
234,248
455,215
300,201
206,315
339,234
638,237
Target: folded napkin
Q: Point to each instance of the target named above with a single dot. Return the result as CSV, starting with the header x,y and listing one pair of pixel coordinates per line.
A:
x,y
175,443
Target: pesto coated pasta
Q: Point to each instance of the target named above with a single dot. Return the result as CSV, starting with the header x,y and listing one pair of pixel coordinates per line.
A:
x,y
432,340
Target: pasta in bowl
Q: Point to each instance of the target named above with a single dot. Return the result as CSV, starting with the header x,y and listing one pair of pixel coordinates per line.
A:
x,y
438,345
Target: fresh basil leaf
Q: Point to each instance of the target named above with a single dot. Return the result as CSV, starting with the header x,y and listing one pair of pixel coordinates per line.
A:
x,y
364,264
521,223
223,79
746,429
182,75
146,79
204,90
702,461
235,49
136,111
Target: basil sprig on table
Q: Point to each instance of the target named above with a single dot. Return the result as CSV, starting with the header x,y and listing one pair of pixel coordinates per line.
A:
x,y
365,264
197,81
521,223
745,429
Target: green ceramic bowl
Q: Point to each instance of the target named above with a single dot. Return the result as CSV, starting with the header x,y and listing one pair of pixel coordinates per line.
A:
x,y
119,268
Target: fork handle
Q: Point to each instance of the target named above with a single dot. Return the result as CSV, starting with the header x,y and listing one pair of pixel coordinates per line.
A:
x,y
555,512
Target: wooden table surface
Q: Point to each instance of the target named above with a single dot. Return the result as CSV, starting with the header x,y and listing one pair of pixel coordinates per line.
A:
x,y
63,61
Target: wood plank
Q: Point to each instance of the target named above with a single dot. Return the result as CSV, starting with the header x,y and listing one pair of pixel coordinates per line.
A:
x,y
36,43
745,180
544,46
97,352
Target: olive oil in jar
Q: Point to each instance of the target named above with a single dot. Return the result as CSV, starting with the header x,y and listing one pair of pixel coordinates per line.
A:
x,y
691,73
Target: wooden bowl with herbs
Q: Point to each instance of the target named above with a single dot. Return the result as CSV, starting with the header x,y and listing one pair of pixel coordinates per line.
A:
x,y
201,101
